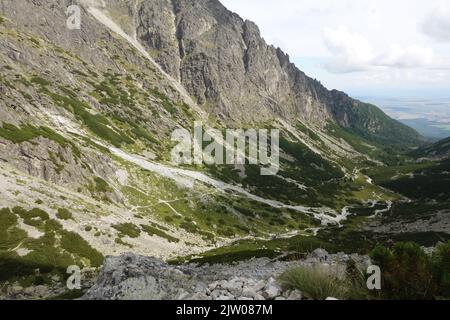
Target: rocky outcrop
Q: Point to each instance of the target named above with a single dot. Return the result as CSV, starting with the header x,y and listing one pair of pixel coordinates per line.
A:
x,y
136,277
55,287
223,61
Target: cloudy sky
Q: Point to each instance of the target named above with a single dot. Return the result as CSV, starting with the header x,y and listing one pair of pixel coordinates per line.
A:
x,y
391,47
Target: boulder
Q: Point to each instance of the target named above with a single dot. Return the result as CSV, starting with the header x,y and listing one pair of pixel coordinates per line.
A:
x,y
271,290
320,254
295,295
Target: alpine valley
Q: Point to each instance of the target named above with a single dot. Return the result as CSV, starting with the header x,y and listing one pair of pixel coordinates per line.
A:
x,y
86,118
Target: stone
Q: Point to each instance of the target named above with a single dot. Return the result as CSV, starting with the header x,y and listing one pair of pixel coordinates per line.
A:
x,y
249,293
29,291
234,286
259,297
320,254
216,294
258,286
183,295
244,299
295,295
200,297
213,286
271,290
201,288
41,291
16,289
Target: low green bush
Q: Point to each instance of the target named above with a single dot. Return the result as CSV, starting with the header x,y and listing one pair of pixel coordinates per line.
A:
x,y
76,245
34,217
128,229
150,230
64,214
315,283
441,265
407,272
28,132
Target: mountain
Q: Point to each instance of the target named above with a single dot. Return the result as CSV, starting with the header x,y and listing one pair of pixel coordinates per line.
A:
x,y
438,150
85,137
227,66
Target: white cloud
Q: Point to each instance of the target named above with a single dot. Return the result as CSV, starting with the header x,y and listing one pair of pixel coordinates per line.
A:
x,y
387,44
413,56
437,23
353,52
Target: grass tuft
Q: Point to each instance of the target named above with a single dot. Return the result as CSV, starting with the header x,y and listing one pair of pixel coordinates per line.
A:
x,y
315,283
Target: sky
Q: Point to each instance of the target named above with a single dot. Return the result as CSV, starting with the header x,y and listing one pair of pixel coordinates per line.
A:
x,y
363,47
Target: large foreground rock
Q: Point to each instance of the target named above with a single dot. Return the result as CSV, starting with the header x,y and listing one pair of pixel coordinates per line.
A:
x,y
136,277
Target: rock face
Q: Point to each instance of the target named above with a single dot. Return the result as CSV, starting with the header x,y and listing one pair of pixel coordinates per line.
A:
x,y
223,61
221,58
56,286
135,277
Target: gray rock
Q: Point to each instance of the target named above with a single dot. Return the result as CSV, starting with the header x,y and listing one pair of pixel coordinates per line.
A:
x,y
271,289
234,286
295,295
249,293
320,254
244,299
200,297
217,294
16,289
259,297
135,277
258,286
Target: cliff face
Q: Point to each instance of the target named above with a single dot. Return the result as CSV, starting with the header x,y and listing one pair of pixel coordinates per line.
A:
x,y
231,71
226,65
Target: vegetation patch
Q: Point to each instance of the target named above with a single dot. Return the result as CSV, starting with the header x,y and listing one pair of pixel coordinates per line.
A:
x,y
51,253
128,229
315,283
28,132
296,247
97,123
64,214
122,243
410,274
34,217
153,231
10,234
75,244
40,81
